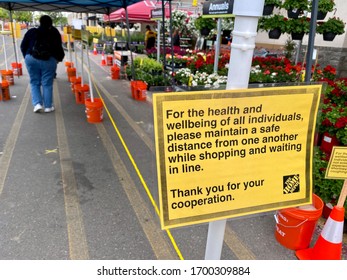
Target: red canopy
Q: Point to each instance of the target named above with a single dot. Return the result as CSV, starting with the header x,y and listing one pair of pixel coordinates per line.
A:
x,y
138,12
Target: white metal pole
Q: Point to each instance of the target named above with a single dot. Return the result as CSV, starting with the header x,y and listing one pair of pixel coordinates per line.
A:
x,y
247,13
5,53
217,48
89,79
82,64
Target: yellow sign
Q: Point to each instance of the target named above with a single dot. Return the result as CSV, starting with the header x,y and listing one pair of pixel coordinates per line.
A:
x,y
95,40
223,154
337,166
76,34
67,30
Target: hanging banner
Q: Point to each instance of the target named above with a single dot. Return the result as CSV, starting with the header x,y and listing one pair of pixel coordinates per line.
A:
x,y
223,154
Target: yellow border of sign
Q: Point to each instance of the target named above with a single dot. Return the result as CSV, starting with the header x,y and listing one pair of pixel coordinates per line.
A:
x,y
331,161
160,98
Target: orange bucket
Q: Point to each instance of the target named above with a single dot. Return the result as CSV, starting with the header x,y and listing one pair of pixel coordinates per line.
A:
x,y
295,226
5,91
8,76
135,85
81,93
109,60
68,64
71,72
141,91
17,69
115,72
94,110
74,81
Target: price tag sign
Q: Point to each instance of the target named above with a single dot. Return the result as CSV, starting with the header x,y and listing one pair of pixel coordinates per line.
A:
x,y
337,166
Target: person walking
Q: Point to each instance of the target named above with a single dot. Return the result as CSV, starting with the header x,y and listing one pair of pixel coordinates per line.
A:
x,y
42,50
176,39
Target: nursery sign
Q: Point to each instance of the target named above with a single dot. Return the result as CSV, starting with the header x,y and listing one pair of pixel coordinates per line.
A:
x,y
217,8
337,167
223,154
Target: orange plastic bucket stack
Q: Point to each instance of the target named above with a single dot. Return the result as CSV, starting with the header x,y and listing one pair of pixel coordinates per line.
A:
x,y
75,81
94,110
71,72
5,91
17,69
115,72
8,76
295,226
109,60
81,93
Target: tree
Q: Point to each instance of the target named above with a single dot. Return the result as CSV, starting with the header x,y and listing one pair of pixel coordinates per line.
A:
x,y
23,16
4,14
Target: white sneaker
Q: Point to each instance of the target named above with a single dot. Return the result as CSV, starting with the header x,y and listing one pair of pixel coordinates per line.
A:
x,y
38,108
48,110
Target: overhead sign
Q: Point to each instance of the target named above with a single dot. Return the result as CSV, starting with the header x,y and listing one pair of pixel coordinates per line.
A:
x,y
223,154
218,8
157,14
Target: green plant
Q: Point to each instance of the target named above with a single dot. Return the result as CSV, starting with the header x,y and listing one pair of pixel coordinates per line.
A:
x,y
326,5
334,25
298,25
276,3
289,48
273,22
203,22
301,5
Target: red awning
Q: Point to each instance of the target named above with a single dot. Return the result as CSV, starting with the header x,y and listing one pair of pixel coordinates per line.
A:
x,y
138,12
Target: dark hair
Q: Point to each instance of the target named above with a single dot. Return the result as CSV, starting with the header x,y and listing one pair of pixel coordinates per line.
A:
x,y
148,27
46,21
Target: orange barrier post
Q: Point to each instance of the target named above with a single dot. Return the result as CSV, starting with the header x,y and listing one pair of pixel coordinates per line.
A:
x,y
103,61
329,243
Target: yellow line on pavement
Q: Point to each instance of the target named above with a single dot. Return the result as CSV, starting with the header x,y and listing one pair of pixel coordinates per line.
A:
x,y
78,247
5,159
138,173
154,235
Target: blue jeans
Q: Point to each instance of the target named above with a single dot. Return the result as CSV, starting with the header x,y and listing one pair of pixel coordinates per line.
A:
x,y
41,73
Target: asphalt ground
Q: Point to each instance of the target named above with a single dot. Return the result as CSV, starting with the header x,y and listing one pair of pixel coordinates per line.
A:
x,y
70,189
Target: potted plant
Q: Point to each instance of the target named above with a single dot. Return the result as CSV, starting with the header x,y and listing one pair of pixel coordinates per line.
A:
x,y
295,7
330,28
269,6
298,27
274,24
324,6
205,25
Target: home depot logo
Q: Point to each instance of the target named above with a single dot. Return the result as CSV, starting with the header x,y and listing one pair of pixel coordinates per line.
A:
x,y
291,184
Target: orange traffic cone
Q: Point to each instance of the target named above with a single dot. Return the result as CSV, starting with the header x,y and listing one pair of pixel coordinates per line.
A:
x,y
103,60
329,243
95,52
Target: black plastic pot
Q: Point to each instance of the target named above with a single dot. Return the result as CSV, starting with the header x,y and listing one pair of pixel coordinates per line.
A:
x,y
297,36
293,13
268,9
274,33
328,36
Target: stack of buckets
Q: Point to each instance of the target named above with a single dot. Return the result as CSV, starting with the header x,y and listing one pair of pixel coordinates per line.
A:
x,y
115,70
138,90
5,91
17,69
295,226
8,76
94,110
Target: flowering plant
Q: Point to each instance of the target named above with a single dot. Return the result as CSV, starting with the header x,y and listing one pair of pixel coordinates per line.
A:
x,y
276,3
301,5
334,25
274,70
273,22
326,5
298,25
